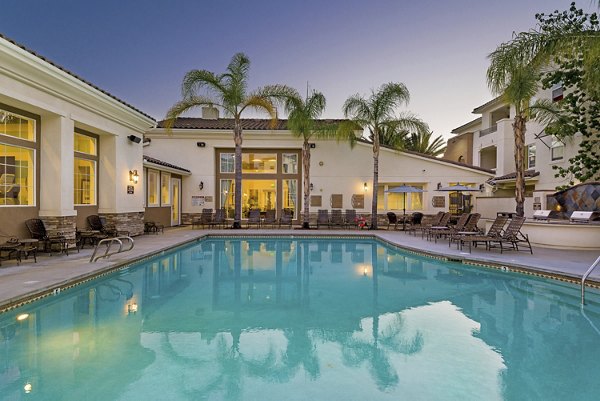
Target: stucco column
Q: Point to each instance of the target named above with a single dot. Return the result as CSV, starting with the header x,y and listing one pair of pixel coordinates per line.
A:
x,y
56,169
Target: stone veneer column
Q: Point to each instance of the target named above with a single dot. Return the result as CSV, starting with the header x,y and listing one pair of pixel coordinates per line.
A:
x,y
132,222
56,176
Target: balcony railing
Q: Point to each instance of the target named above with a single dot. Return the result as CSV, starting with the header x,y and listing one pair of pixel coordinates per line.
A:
x,y
486,131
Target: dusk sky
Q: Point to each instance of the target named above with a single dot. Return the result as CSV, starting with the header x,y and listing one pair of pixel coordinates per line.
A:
x,y
140,50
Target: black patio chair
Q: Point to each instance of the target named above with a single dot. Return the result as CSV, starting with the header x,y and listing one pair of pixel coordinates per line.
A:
x,y
253,218
392,219
37,230
286,218
323,218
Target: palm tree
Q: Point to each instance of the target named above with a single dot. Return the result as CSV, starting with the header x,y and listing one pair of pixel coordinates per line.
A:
x,y
377,113
517,81
421,142
229,92
303,121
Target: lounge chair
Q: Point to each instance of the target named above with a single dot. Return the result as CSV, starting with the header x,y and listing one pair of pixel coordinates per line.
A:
x,y
350,218
441,225
219,219
37,230
323,218
205,219
428,222
151,227
253,218
512,235
286,218
337,219
444,231
270,218
494,232
392,219
470,228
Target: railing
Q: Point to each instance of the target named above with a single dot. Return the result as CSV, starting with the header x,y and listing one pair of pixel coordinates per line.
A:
x,y
487,131
108,242
585,276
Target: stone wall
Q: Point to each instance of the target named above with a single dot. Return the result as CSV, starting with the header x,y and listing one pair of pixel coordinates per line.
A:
x,y
131,222
61,225
582,197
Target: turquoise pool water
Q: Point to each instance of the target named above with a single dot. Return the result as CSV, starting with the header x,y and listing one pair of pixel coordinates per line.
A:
x,y
263,319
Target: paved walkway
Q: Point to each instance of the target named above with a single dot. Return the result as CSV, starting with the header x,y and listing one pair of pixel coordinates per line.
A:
x,y
28,279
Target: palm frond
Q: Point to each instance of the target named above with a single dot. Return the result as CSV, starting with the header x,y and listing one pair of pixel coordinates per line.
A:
x,y
283,95
388,98
258,102
357,108
195,80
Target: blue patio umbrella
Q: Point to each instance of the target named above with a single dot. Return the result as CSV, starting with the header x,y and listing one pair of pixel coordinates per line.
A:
x,y
404,189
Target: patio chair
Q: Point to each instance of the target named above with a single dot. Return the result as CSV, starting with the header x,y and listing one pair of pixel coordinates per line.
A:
x,y
512,235
392,219
415,222
494,232
444,231
469,228
350,218
151,227
205,219
425,225
441,224
11,249
337,219
286,218
270,218
323,218
253,218
37,230
96,223
219,219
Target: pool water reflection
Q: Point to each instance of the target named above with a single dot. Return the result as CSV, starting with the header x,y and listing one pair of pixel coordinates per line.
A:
x,y
264,319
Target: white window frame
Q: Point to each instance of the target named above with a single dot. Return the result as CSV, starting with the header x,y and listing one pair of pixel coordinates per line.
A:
x,y
156,187
34,166
221,162
283,156
94,201
528,149
34,140
557,144
165,177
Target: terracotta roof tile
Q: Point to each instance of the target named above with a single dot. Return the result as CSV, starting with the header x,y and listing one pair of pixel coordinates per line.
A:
x,y
161,163
512,176
227,123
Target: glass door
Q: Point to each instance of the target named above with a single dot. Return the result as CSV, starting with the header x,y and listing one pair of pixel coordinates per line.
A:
x,y
176,201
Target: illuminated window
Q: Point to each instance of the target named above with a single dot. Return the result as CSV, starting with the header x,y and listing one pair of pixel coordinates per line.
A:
x,y
259,163
85,144
17,171
227,163
165,189
290,163
153,187
290,195
17,126
84,182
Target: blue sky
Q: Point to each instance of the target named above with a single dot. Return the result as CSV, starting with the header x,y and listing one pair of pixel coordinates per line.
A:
x,y
140,50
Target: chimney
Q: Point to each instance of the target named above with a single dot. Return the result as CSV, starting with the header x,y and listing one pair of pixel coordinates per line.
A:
x,y
210,113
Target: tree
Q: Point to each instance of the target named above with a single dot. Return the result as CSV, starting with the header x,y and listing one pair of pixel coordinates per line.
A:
x,y
303,121
421,142
227,91
377,113
578,111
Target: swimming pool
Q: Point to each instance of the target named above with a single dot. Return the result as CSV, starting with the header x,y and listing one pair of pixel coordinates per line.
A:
x,y
300,319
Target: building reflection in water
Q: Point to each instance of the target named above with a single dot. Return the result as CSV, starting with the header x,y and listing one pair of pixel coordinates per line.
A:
x,y
240,319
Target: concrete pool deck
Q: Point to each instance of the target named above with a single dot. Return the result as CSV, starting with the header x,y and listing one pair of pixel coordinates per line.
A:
x,y
28,280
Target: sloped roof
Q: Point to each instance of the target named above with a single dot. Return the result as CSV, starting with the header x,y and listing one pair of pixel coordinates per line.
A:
x,y
513,176
259,124
479,109
485,170
165,164
467,125
75,76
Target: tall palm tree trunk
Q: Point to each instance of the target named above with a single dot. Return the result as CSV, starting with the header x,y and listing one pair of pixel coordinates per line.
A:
x,y
306,170
519,132
237,138
375,181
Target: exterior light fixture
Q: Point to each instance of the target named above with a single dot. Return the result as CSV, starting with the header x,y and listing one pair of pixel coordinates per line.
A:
x,y
134,139
312,186
132,308
133,176
201,185
365,272
27,388
22,316
365,186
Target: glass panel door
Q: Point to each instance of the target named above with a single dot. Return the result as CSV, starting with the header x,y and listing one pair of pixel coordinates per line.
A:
x,y
176,201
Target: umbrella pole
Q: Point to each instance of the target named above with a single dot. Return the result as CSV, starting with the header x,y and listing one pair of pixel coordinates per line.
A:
x,y
404,214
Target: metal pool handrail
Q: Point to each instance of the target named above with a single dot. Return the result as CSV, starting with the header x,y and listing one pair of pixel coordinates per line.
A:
x,y
585,276
109,242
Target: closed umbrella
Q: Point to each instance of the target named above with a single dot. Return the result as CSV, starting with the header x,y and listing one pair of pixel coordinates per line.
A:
x,y
404,189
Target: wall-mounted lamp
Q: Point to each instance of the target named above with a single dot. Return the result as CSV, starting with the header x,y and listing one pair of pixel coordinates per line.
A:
x,y
132,308
481,187
312,145
201,185
439,185
133,176
365,186
311,186
134,139
201,144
